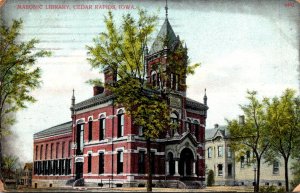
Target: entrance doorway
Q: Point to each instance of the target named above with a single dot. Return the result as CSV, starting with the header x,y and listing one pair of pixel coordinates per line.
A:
x,y
79,170
186,162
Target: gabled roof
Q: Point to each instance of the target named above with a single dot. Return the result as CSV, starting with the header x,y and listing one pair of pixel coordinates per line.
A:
x,y
215,132
166,36
28,166
56,130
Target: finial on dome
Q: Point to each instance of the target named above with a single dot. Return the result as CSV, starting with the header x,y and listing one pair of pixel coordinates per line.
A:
x,y
205,97
166,8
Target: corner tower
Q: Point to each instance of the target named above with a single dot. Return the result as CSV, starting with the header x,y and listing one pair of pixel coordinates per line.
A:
x,y
166,62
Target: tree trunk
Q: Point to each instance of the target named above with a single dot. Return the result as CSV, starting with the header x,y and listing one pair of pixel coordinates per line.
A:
x,y
1,176
149,160
286,173
1,156
257,175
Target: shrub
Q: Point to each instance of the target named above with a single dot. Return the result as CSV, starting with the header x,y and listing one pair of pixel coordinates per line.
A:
x,y
210,178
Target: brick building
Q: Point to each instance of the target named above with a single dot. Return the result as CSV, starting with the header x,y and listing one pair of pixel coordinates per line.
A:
x,y
52,156
106,148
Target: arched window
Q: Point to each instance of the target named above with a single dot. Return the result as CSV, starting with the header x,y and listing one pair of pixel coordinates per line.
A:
x,y
90,129
80,139
120,123
102,127
196,129
174,79
174,120
188,125
153,78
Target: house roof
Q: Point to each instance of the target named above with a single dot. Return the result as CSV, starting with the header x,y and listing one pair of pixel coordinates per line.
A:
x,y
63,128
217,131
28,166
166,36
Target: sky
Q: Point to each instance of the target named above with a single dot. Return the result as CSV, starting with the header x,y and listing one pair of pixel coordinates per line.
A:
x,y
241,45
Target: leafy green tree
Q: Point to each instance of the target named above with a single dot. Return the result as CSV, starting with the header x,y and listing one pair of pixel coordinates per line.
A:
x,y
10,164
18,74
283,117
252,133
296,173
120,52
210,178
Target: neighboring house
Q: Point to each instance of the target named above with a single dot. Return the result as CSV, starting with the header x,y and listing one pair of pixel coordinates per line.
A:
x,y
230,170
26,175
218,155
106,146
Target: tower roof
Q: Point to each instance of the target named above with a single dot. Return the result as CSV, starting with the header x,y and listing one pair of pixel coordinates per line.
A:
x,y
165,37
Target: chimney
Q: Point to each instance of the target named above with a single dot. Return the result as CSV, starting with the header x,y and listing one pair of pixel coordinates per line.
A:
x,y
241,119
216,126
98,90
109,76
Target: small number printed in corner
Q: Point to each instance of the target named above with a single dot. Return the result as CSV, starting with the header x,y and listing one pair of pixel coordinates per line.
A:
x,y
290,3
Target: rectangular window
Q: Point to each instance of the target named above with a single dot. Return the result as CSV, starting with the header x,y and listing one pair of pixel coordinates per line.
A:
x,y
220,170
90,163
90,130
120,162
187,126
120,125
141,132
101,163
209,152
229,168
60,167
41,152
102,128
196,128
63,167
229,152
242,161
220,151
153,162
276,167
141,162
248,157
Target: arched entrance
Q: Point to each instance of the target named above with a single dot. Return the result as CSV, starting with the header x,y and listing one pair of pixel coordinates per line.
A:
x,y
186,162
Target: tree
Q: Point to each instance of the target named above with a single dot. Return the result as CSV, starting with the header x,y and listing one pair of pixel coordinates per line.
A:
x,y
18,74
210,178
120,52
283,118
10,164
252,133
296,173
